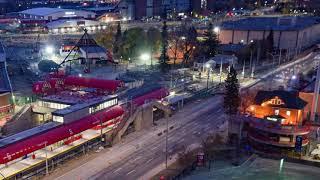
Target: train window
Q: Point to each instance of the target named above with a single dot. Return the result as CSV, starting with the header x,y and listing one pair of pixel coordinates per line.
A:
x,y
58,119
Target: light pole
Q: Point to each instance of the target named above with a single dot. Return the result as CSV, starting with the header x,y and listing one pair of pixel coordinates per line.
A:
x,y
243,68
280,57
273,59
252,71
167,142
251,55
220,71
217,31
145,57
208,74
273,64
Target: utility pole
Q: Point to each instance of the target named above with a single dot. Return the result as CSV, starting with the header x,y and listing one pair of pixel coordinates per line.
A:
x,y
220,71
167,143
243,68
252,71
208,74
251,56
315,99
280,57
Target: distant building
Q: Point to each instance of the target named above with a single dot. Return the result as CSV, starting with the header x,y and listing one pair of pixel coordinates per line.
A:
x,y
139,9
74,25
51,14
293,33
277,119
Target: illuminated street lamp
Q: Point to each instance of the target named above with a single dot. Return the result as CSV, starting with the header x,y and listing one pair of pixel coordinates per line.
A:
x,y
217,31
172,93
145,57
49,50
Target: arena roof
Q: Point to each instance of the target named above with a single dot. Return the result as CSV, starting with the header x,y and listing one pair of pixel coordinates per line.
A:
x,y
274,23
43,11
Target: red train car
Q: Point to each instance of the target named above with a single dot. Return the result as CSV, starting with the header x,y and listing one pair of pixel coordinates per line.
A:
x,y
102,84
157,94
41,87
20,148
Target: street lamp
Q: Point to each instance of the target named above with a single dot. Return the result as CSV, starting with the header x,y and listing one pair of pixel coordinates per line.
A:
x,y
208,70
145,57
49,50
217,31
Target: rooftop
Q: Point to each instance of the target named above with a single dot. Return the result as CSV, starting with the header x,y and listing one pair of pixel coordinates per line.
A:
x,y
274,23
70,97
291,100
27,133
44,11
93,49
76,107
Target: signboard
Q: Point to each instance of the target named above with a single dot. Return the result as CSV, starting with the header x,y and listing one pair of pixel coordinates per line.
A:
x,y
200,159
298,144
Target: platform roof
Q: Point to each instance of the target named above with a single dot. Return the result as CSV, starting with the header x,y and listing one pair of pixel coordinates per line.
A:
x,y
28,133
77,107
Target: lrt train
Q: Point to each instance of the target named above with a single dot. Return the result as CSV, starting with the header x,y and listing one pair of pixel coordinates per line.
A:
x,y
20,145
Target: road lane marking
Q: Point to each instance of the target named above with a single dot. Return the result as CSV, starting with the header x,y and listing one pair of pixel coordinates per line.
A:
x,y
181,140
139,157
117,170
149,160
131,172
154,148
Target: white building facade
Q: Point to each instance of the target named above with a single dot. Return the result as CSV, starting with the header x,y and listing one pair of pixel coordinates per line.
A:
x,y
51,14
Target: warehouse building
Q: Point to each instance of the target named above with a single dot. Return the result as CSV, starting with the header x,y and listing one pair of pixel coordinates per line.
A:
x,y
288,32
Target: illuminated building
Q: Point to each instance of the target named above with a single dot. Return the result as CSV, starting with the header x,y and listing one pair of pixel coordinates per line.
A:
x,y
277,119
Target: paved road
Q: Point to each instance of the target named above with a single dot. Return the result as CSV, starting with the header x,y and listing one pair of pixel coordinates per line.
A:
x,y
153,154
147,150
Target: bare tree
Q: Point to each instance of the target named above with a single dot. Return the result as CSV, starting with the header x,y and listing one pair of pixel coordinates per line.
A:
x,y
185,156
175,45
211,145
247,99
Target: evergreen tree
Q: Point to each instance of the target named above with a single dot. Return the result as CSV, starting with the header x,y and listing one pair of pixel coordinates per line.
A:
x,y
210,44
117,40
231,98
270,42
164,58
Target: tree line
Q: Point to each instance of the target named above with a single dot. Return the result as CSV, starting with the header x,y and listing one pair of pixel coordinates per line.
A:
x,y
180,45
